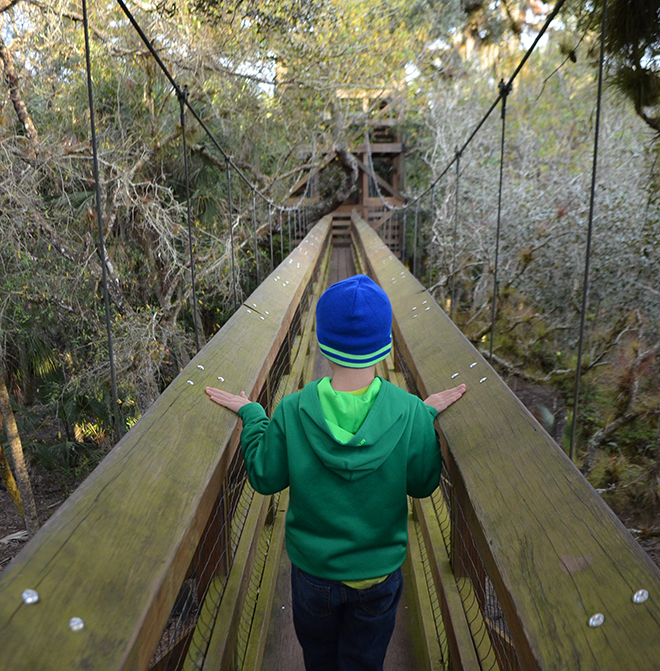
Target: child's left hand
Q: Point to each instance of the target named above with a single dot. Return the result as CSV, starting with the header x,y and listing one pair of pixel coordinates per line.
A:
x,y
227,400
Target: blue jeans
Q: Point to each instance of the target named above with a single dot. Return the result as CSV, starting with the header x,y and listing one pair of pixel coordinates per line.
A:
x,y
341,628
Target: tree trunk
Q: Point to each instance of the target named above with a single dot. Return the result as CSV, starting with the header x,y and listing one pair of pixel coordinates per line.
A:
x,y
10,482
22,477
12,81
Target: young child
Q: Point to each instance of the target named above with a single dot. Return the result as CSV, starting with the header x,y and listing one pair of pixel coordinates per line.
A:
x,y
351,448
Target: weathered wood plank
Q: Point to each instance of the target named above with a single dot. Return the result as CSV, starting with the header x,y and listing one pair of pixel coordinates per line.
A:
x,y
459,637
427,632
223,638
117,551
259,630
555,553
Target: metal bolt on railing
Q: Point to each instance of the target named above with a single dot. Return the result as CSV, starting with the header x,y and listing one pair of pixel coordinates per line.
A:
x,y
640,596
199,365
222,379
483,379
455,375
30,596
472,365
596,620
76,624
190,382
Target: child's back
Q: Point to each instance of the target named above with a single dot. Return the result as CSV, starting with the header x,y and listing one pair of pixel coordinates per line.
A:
x,y
351,448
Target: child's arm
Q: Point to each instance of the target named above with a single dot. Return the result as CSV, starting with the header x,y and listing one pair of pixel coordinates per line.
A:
x,y
262,441
227,400
443,399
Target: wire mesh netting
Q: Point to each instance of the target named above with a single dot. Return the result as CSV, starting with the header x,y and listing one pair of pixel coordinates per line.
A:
x,y
438,622
185,639
253,591
488,627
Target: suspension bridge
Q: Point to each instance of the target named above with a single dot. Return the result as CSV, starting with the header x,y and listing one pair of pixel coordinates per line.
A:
x,y
166,559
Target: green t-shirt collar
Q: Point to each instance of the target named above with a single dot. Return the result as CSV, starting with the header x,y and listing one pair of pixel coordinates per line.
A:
x,y
345,411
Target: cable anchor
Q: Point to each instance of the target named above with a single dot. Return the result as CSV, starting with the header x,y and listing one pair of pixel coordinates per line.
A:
x,y
505,89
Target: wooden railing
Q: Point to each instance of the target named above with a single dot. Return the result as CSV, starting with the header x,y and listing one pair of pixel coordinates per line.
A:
x,y
521,550
536,554
148,533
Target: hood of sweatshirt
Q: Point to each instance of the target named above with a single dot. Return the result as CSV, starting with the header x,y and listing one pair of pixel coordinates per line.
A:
x,y
372,444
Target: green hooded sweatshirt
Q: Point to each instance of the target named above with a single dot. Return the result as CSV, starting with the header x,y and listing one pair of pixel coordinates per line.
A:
x,y
348,509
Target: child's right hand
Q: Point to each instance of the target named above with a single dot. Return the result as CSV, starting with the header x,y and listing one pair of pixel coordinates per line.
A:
x,y
443,399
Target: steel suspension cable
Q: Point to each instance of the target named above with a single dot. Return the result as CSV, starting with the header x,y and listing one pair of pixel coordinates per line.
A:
x,y
415,239
403,247
288,225
585,283
99,219
231,237
192,110
457,159
485,117
270,234
505,90
254,225
182,97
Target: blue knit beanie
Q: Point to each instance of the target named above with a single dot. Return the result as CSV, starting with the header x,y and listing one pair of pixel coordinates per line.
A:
x,y
354,322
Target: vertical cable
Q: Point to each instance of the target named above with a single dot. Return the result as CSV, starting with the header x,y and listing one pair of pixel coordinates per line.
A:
x,y
288,225
389,229
415,240
182,95
504,90
403,237
281,236
585,284
270,233
453,261
231,237
99,219
254,224
430,260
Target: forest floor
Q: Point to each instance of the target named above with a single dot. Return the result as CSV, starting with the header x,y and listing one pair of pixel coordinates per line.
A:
x,y
51,489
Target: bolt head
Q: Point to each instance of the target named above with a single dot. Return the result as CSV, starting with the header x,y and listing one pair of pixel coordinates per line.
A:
x,y
76,624
30,596
640,596
596,620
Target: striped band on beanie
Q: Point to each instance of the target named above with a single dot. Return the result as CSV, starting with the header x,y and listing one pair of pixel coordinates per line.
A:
x,y
354,323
